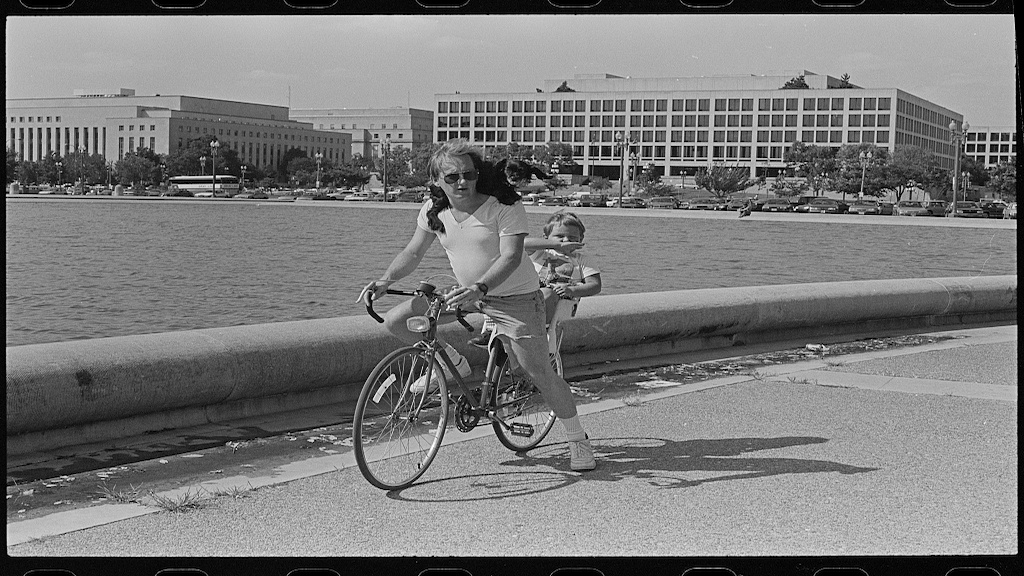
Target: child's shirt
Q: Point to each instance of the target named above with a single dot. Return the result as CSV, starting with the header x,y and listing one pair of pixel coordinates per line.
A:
x,y
553,267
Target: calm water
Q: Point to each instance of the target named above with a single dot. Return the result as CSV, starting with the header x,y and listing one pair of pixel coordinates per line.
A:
x,y
94,268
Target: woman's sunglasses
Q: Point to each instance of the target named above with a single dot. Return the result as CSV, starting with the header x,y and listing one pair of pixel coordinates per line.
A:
x,y
456,176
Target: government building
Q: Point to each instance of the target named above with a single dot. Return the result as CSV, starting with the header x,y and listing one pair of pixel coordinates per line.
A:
x,y
991,145
113,124
370,127
677,125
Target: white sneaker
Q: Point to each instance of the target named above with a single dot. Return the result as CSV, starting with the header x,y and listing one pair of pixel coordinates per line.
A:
x,y
581,456
462,366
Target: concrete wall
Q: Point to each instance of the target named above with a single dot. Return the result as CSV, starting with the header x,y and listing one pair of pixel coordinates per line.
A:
x,y
92,390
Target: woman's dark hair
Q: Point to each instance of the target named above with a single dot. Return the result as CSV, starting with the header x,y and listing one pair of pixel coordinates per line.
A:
x,y
492,179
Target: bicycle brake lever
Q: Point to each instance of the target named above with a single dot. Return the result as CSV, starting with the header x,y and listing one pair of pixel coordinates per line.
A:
x,y
368,302
462,320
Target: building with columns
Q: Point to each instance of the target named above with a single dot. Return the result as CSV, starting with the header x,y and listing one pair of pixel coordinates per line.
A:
x,y
115,123
681,124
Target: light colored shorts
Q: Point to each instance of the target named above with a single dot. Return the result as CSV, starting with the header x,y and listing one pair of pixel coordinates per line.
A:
x,y
517,316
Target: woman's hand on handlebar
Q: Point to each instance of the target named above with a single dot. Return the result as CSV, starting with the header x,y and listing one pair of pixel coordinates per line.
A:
x,y
374,290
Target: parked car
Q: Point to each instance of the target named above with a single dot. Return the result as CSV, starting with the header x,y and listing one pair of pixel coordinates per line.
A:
x,y
911,208
553,201
993,209
1010,211
735,204
706,204
936,207
886,208
531,200
590,199
823,206
627,202
777,205
662,202
967,209
865,206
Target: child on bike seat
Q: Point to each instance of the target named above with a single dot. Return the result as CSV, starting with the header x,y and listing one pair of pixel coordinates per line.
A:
x,y
561,268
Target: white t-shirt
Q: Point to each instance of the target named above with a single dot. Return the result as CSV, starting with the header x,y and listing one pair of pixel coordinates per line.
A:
x,y
473,245
553,267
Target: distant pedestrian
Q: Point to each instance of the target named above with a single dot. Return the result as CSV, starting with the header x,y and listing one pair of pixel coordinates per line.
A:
x,y
747,209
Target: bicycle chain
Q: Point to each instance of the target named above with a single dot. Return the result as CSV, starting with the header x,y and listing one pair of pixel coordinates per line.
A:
x,y
466,418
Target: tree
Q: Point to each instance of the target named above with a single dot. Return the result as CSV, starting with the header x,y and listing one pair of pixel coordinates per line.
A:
x,y
844,81
816,164
12,165
564,87
795,83
721,180
786,188
134,169
850,172
599,183
289,155
909,164
1003,180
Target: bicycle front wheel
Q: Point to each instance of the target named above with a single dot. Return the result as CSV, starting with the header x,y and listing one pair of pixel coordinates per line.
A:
x,y
525,417
397,432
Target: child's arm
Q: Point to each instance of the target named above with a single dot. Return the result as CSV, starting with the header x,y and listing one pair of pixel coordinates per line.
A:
x,y
590,286
536,244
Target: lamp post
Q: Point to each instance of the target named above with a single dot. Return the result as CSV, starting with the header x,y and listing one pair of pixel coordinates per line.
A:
x,y
633,160
319,158
60,165
385,146
242,185
202,163
912,185
623,143
163,174
957,137
865,159
214,145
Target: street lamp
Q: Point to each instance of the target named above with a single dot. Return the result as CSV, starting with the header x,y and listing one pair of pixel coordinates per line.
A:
x,y
865,159
242,186
632,172
214,145
623,143
384,148
957,137
163,173
912,185
202,162
60,165
319,158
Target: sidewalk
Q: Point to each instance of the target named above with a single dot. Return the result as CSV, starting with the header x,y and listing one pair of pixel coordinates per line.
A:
x,y
902,451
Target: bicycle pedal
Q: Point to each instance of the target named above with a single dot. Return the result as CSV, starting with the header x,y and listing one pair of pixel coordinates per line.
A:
x,y
520,429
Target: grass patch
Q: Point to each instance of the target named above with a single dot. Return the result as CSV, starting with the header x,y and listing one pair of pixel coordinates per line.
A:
x,y
236,492
119,496
184,502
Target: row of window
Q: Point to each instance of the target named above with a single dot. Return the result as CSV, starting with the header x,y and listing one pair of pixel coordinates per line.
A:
x,y
568,136
992,148
994,136
356,126
142,128
34,119
994,159
679,120
251,134
662,105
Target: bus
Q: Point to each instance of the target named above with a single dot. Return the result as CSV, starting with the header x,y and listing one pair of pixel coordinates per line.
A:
x,y
202,186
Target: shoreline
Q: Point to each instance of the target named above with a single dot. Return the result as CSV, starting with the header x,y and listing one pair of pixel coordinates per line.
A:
x,y
984,223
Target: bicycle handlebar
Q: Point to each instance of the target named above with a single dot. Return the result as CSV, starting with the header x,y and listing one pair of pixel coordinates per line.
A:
x,y
425,289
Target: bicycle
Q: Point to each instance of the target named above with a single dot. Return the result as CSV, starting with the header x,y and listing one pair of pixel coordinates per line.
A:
x,y
397,432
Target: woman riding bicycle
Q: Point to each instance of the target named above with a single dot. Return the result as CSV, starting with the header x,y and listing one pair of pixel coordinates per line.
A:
x,y
483,238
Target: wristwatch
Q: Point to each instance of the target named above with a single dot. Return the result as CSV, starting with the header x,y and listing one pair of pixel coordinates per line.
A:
x,y
481,287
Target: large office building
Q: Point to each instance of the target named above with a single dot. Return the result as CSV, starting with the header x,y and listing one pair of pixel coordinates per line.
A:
x,y
678,125
991,145
369,127
113,124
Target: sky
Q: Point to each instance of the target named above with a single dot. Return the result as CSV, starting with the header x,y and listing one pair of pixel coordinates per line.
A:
x,y
965,63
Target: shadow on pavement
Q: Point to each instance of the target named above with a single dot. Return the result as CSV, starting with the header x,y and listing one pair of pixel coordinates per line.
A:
x,y
662,463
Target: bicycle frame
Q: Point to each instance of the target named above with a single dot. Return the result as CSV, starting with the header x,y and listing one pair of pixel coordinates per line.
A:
x,y
430,344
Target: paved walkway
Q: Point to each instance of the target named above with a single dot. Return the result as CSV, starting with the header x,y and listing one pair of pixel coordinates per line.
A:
x,y
906,451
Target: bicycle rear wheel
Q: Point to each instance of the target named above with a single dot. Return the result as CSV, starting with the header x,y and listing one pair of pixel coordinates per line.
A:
x,y
396,432
525,416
